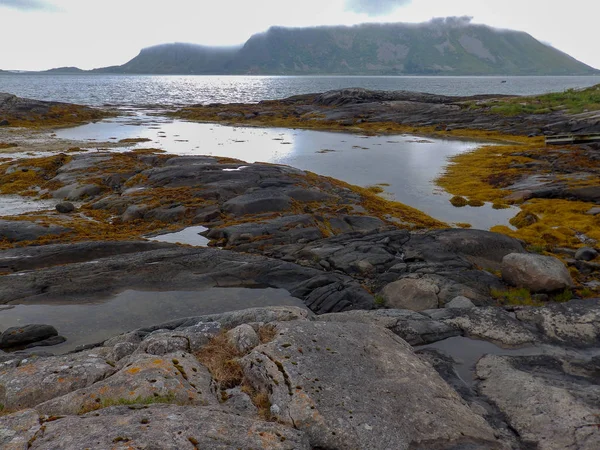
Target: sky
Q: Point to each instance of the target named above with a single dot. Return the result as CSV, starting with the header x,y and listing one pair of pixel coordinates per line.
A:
x,y
42,34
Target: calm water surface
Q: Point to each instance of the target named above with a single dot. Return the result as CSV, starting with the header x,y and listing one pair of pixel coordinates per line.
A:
x,y
87,322
408,164
127,90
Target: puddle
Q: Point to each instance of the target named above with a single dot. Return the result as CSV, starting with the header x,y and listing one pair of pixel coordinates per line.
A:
x,y
466,352
12,205
94,322
408,164
189,236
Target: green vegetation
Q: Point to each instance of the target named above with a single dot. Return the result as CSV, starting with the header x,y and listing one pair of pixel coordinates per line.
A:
x,y
573,101
516,296
379,300
438,47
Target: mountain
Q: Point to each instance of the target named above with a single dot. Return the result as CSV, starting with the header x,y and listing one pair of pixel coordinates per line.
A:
x,y
65,70
450,46
177,59
439,47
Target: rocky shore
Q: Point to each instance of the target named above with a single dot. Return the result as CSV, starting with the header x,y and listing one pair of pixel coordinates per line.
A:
x,y
396,303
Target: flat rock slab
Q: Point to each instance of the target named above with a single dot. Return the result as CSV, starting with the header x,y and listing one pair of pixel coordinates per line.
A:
x,y
175,378
166,427
550,408
389,398
32,381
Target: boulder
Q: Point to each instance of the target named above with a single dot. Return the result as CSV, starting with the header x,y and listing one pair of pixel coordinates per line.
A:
x,y
586,254
243,338
21,336
413,294
460,302
65,207
357,386
535,272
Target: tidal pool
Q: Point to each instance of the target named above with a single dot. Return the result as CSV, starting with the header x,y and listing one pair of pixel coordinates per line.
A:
x,y
406,165
88,321
189,236
12,205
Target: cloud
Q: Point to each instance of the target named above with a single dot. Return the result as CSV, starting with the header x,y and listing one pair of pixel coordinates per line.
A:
x,y
375,7
454,22
27,5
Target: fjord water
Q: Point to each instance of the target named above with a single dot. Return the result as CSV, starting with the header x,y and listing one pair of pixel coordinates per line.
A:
x,y
127,90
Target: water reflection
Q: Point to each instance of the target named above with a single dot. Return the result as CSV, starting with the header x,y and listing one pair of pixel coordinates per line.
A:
x,y
408,164
95,321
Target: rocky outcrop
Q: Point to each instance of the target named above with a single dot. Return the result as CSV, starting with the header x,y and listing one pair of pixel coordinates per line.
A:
x,y
18,231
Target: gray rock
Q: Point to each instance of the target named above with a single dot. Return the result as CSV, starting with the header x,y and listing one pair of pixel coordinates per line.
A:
x,y
413,294
243,338
121,350
586,254
535,272
487,323
134,212
54,340
207,214
413,327
391,399
21,336
167,427
576,323
18,429
594,211
257,202
550,409
460,303
239,402
17,231
173,378
37,380
65,207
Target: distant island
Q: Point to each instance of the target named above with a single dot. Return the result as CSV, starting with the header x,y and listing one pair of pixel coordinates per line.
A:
x,y
450,46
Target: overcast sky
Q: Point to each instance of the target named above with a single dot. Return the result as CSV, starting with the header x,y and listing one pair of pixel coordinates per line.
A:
x,y
41,34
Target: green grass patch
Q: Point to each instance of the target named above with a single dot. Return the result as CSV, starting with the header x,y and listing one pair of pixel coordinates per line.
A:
x,y
573,101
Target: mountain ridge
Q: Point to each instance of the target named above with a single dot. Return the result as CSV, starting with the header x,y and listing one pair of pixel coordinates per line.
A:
x,y
450,46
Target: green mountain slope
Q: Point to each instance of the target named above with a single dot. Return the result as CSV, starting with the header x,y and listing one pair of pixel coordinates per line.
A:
x,y
439,47
178,59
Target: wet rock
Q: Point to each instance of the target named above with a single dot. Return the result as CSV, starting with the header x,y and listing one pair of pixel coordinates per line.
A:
x,y
37,380
586,254
173,378
391,398
535,272
65,207
576,323
560,410
54,340
243,338
413,327
460,303
17,231
167,427
412,294
21,336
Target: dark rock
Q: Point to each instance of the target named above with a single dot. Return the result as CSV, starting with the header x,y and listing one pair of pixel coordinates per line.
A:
x,y
21,336
55,340
4,123
65,207
586,254
16,231
258,202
